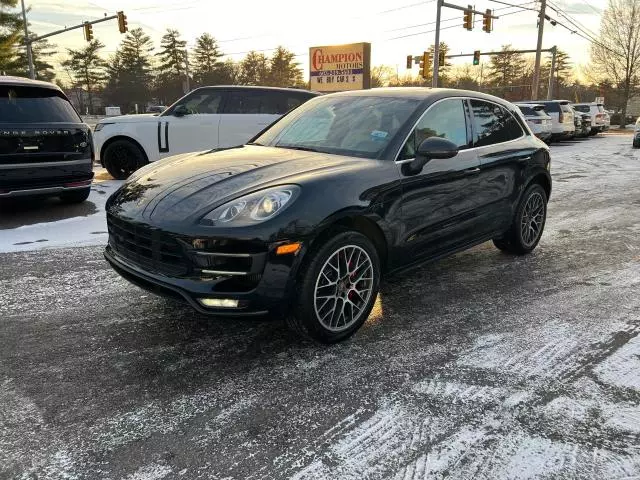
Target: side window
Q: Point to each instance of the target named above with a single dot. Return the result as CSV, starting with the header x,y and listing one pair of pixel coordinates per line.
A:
x,y
243,102
445,119
203,101
493,124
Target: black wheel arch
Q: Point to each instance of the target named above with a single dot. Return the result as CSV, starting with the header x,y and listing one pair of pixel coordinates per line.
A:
x,y
121,137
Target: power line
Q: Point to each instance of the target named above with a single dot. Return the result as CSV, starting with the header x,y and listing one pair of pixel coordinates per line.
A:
x,y
454,18
512,5
574,22
451,26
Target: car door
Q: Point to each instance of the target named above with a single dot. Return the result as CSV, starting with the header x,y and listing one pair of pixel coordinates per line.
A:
x,y
504,151
247,111
438,205
194,131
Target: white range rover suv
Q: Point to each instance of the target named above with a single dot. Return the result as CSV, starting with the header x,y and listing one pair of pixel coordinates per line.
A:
x,y
206,118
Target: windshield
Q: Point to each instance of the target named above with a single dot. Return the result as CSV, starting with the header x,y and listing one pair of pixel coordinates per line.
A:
x,y
345,125
34,105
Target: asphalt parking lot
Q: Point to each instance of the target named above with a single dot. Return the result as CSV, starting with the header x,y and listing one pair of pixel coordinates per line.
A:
x,y
481,366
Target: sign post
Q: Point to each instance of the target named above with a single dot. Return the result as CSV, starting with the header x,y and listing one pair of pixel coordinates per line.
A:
x,y
336,68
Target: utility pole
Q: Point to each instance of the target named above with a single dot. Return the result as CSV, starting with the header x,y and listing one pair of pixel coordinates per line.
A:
x,y
552,73
27,43
436,47
536,69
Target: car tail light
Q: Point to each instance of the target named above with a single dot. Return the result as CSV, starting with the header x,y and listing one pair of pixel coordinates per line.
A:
x,y
561,117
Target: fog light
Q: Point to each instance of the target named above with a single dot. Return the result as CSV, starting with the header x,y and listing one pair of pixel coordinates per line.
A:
x,y
219,302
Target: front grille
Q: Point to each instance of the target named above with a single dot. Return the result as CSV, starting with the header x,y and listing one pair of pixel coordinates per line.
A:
x,y
147,247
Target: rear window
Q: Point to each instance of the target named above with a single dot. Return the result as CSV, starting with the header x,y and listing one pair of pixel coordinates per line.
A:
x,y
551,106
526,110
34,105
270,102
601,108
582,108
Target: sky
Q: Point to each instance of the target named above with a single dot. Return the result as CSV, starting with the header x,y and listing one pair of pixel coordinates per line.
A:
x,y
395,28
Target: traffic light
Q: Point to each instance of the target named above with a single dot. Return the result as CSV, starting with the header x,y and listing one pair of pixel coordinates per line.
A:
x,y
426,64
441,58
468,18
486,21
409,62
122,22
476,57
88,32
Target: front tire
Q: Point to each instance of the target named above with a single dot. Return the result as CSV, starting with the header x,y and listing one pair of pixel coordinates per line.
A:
x,y
338,288
75,196
123,157
528,223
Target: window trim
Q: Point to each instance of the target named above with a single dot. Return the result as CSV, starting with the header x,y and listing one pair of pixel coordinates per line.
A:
x,y
467,120
522,129
171,108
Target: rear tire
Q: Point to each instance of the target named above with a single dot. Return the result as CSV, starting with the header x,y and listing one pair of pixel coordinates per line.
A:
x,y
528,223
636,143
337,289
75,196
123,157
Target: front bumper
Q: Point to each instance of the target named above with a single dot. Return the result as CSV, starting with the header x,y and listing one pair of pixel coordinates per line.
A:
x,y
273,285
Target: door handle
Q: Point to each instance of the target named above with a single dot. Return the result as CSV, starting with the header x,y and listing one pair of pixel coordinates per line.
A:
x,y
525,159
473,170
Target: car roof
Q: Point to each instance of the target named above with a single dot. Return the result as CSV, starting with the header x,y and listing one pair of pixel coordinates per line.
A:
x,y
26,82
421,93
258,87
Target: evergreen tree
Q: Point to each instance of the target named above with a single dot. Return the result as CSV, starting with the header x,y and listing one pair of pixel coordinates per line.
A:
x,y
206,67
172,68
10,29
88,68
130,73
254,69
284,71
562,75
505,68
41,51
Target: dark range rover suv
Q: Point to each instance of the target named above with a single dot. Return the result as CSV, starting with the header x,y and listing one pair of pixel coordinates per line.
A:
x,y
307,217
45,148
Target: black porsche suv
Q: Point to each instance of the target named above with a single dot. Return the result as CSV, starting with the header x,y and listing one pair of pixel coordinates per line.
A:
x,y
45,148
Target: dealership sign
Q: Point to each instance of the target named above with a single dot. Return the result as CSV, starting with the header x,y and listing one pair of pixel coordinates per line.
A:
x,y
340,67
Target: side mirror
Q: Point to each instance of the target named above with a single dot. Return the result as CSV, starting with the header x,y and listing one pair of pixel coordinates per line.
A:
x,y
180,111
433,148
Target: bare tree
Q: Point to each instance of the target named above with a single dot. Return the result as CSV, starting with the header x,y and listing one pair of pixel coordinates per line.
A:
x,y
616,55
382,75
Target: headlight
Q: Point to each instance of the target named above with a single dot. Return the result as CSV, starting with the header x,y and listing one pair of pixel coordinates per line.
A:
x,y
253,208
99,126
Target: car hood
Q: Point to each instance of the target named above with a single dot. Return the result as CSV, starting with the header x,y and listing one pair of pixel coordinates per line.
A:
x,y
180,187
142,117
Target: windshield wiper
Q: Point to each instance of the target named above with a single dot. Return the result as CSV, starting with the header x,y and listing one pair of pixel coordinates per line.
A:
x,y
296,147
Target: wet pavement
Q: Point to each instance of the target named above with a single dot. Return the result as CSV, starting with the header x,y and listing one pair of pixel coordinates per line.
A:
x,y
479,366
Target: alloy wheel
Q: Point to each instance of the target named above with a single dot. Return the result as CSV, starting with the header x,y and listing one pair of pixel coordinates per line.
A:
x,y
532,219
343,288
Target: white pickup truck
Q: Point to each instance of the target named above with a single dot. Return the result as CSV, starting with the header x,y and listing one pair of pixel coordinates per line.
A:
x,y
206,118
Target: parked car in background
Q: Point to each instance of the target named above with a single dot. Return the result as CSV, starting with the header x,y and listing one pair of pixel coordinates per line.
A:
x,y
561,117
204,119
636,134
585,124
306,219
607,120
598,115
156,109
577,122
539,122
45,147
